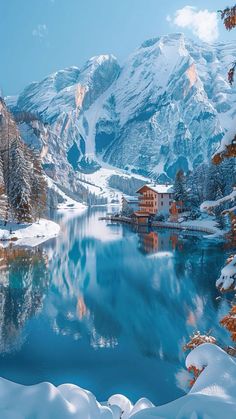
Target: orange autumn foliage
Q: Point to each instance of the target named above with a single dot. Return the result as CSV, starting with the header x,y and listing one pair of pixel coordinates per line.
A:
x,y
228,15
229,322
196,372
197,339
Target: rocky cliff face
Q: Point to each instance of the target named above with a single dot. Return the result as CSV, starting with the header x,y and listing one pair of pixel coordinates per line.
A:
x,y
166,108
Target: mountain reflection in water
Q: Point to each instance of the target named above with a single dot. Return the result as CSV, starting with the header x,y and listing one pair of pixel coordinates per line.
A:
x,y
111,311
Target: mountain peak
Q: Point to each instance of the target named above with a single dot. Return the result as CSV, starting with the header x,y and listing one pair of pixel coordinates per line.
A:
x,y
100,59
166,108
163,39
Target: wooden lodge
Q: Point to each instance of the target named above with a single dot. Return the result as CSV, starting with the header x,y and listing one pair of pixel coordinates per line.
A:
x,y
154,199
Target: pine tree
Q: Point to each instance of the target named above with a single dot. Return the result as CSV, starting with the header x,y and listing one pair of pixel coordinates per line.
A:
x,y
214,186
180,191
200,176
22,176
20,181
38,187
228,168
193,191
220,218
3,197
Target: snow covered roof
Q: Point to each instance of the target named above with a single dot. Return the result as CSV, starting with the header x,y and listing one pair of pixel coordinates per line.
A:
x,y
159,188
130,198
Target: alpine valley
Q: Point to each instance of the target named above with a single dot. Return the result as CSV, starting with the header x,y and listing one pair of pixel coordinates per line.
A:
x,y
166,108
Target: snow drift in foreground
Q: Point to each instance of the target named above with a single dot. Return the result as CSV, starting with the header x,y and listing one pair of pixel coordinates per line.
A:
x,y
28,234
212,396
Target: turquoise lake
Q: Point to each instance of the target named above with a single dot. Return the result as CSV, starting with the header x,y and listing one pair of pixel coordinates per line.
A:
x,y
108,308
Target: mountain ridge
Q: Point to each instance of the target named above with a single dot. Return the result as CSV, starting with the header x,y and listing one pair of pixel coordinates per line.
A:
x,y
166,108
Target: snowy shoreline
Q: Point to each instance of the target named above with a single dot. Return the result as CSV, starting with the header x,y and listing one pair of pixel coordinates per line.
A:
x,y
207,226
213,395
29,235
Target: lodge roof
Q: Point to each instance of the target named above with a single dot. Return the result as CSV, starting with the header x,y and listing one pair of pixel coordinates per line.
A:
x,y
141,214
158,188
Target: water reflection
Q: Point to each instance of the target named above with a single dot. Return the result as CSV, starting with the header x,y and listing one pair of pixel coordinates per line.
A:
x,y
108,292
119,306
151,242
23,284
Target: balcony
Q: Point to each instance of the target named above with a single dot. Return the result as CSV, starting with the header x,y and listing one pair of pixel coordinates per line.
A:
x,y
146,204
146,197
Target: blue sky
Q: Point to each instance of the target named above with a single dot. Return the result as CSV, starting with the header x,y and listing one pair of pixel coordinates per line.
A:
x,y
42,36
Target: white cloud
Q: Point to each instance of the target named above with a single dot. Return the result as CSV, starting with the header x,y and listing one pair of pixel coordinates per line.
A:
x,y
40,31
202,23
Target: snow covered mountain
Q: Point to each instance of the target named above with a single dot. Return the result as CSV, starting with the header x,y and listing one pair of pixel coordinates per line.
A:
x,y
167,108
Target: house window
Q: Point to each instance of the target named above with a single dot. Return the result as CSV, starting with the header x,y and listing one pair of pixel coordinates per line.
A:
x,y
162,203
162,195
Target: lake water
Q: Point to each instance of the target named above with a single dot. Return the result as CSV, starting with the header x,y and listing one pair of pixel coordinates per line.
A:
x,y
107,307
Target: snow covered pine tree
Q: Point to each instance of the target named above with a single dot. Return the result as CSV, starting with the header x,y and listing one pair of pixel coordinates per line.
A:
x,y
20,182
3,197
180,190
38,186
24,182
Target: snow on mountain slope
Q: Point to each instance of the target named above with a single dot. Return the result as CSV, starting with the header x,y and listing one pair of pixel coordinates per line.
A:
x,y
167,108
66,201
98,182
59,102
171,106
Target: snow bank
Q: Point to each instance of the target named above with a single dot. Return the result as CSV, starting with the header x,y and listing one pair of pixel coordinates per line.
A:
x,y
213,396
47,401
206,223
227,279
28,234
